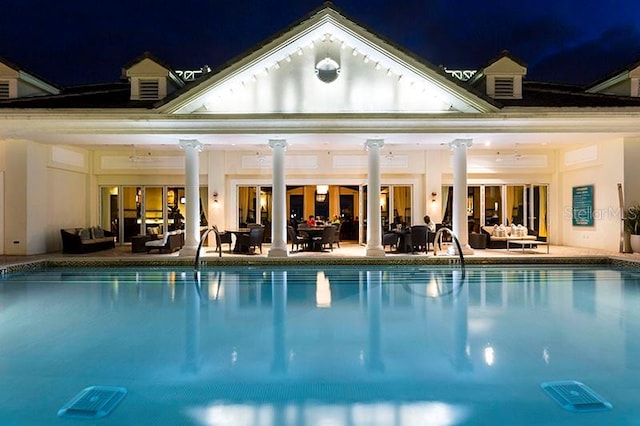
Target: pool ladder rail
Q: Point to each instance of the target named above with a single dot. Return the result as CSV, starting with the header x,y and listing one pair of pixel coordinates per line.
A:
x,y
438,238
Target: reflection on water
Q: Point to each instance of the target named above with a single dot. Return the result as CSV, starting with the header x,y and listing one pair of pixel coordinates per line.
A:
x,y
338,343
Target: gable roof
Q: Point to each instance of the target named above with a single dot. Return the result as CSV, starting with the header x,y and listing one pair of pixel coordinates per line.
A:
x,y
31,78
326,29
614,78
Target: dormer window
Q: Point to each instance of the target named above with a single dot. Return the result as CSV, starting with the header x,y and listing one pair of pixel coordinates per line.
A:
x,y
503,77
149,89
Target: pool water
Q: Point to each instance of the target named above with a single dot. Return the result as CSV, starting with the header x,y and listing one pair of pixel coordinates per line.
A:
x,y
321,345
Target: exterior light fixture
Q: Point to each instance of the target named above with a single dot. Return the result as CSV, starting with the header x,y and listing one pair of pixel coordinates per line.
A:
x,y
327,70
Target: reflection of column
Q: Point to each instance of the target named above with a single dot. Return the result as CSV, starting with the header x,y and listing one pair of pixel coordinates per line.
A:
x,y
192,332
374,308
374,223
192,195
279,293
461,359
279,215
460,218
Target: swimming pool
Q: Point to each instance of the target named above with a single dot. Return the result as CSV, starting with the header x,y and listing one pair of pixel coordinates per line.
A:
x,y
334,345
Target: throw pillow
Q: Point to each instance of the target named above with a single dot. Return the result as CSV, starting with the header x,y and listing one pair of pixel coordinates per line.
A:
x,y
98,232
85,234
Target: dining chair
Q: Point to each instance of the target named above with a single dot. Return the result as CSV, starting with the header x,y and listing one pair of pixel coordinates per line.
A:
x,y
326,239
253,238
297,240
419,238
222,238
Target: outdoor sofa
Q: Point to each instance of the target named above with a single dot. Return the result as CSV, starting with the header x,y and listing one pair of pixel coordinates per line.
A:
x,y
86,240
170,242
497,236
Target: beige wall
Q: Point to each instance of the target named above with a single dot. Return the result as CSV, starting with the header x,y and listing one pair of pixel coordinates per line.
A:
x,y
600,165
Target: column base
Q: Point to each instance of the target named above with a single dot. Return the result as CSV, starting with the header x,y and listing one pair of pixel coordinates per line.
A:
x,y
188,251
375,252
466,250
277,252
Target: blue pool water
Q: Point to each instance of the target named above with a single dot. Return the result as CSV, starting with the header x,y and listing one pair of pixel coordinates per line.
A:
x,y
321,346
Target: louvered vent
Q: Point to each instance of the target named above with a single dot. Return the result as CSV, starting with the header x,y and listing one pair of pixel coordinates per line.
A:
x,y
503,87
4,90
149,89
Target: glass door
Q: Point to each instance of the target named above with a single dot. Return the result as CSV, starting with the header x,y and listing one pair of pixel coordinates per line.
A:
x,y
132,197
402,206
493,205
246,205
154,211
266,210
537,209
110,205
515,211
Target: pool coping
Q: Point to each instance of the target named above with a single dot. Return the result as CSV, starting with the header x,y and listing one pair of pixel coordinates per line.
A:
x,y
187,261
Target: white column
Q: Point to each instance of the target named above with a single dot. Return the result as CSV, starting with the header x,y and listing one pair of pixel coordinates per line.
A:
x,y
191,149
374,222
460,219
279,216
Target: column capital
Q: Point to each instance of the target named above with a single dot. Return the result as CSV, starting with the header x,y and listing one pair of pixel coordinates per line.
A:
x,y
374,142
278,143
191,143
458,143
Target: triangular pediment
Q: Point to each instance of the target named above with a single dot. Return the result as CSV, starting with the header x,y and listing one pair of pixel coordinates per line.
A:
x,y
283,76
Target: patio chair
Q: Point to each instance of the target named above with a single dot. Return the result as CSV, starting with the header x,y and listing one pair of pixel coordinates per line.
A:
x,y
419,239
297,240
253,238
390,239
222,238
327,238
337,234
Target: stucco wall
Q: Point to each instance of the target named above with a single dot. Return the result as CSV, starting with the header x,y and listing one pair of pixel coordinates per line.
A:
x,y
600,165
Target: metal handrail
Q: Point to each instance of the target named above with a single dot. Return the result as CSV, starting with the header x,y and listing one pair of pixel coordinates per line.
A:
x,y
196,261
439,233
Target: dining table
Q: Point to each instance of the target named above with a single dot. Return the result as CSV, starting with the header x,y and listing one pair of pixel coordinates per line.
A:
x,y
313,232
404,241
238,246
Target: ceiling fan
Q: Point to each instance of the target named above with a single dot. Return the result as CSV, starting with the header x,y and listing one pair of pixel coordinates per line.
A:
x,y
139,158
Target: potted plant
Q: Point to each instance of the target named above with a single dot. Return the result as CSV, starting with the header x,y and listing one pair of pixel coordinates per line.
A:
x,y
632,225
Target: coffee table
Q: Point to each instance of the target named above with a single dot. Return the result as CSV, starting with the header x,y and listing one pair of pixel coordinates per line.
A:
x,y
529,243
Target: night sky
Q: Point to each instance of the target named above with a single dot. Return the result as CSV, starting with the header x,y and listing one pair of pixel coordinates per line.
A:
x,y
76,42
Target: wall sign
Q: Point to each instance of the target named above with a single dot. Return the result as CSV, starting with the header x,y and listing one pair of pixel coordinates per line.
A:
x,y
582,204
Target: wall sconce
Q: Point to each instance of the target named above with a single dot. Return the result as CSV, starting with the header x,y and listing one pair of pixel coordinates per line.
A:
x,y
321,193
215,197
183,200
433,197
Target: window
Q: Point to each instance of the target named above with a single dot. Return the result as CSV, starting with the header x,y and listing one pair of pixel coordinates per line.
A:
x,y
4,89
503,87
149,89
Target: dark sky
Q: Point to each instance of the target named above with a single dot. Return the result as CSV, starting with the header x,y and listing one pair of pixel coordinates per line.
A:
x,y
85,41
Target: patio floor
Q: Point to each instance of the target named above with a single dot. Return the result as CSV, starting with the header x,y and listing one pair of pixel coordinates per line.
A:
x,y
348,252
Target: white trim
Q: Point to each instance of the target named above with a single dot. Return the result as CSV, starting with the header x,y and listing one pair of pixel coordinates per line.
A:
x,y
608,83
2,210
28,78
